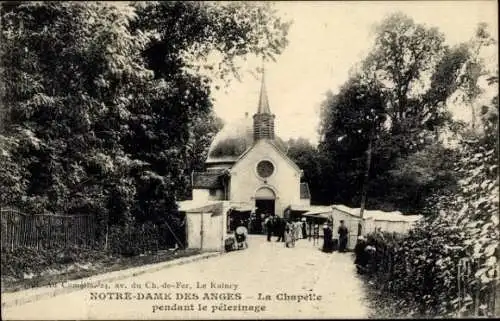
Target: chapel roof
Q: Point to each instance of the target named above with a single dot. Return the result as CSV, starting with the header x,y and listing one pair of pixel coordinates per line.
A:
x,y
233,140
238,136
207,180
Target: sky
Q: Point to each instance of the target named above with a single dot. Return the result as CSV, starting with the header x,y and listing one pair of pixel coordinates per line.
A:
x,y
326,39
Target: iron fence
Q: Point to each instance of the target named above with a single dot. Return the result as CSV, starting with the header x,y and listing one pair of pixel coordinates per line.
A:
x,y
45,231
51,231
473,298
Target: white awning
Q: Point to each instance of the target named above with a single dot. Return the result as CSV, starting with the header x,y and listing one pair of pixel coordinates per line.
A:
x,y
318,215
242,206
311,208
196,206
299,207
395,216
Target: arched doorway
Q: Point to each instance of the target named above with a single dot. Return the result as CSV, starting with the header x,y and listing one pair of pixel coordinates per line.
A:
x,y
265,205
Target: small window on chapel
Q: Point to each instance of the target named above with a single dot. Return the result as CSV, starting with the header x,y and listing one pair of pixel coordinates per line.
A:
x,y
265,169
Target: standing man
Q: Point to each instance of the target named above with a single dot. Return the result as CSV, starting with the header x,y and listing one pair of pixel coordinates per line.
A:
x,y
280,229
269,227
343,232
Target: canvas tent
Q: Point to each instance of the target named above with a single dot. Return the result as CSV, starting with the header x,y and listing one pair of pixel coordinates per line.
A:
x,y
205,224
321,214
372,220
386,221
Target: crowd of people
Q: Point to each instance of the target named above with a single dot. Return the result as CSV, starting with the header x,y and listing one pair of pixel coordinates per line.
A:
x,y
285,231
289,232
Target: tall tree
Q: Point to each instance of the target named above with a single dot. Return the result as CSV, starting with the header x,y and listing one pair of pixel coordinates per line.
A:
x,y
305,155
182,35
349,120
418,73
412,74
105,101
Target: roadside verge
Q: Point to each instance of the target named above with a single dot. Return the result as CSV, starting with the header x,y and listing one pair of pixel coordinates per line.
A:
x,y
30,295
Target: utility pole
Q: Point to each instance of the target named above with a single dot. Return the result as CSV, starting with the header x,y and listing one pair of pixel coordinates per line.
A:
x,y
364,189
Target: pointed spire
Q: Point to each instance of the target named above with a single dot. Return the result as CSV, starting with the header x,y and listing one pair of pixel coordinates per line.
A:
x,y
263,100
263,120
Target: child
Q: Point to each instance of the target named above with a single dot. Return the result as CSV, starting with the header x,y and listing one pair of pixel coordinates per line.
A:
x,y
289,235
315,234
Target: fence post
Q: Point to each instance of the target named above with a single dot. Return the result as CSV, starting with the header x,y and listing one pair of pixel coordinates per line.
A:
x,y
201,232
13,235
496,289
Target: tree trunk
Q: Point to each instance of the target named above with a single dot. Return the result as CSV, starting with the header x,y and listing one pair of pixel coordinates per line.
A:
x,y
473,121
365,182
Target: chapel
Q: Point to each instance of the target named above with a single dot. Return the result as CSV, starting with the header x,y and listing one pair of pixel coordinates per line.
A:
x,y
248,166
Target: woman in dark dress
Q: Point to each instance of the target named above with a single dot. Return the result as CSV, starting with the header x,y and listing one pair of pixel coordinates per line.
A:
x,y
304,228
343,234
327,239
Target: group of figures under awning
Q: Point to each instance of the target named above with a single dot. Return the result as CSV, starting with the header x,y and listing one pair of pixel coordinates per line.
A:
x,y
392,222
210,218
245,214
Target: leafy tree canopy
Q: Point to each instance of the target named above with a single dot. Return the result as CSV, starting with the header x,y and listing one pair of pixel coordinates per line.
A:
x,y
109,104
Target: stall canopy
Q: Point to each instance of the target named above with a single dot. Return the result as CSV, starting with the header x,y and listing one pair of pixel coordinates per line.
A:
x,y
197,207
242,207
300,208
324,212
207,206
318,215
395,216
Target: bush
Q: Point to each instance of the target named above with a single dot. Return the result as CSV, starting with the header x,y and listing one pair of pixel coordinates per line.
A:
x,y
132,240
27,260
457,245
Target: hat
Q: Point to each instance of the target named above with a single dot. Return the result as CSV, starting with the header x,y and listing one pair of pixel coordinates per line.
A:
x,y
303,219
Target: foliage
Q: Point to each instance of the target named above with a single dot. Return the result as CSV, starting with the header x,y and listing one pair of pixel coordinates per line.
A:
x,y
304,154
109,105
424,269
474,71
27,260
398,99
348,120
130,240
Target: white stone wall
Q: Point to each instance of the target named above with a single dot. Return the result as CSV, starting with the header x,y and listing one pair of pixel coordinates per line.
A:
x,y
200,195
305,202
285,181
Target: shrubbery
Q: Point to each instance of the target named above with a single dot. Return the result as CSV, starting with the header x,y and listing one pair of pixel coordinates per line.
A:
x,y
32,261
131,240
420,271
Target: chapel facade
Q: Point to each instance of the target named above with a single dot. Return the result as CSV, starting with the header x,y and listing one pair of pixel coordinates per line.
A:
x,y
247,164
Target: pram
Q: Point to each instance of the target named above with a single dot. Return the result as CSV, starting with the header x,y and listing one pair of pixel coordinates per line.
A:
x,y
241,237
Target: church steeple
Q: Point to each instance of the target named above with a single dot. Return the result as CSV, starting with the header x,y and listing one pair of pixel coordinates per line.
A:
x,y
263,100
263,120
